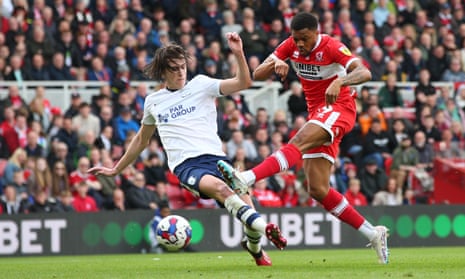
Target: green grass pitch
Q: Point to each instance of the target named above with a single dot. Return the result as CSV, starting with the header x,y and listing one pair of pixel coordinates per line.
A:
x,y
335,263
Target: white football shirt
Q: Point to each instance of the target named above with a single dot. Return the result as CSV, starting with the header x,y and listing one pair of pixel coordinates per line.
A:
x,y
186,119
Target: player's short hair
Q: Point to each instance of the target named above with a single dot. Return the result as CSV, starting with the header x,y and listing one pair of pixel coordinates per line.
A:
x,y
304,20
162,59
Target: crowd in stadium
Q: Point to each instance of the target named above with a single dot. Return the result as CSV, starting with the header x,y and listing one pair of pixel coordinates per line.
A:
x,y
45,151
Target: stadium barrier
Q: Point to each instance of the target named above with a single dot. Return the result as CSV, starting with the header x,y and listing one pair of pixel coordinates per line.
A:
x,y
215,230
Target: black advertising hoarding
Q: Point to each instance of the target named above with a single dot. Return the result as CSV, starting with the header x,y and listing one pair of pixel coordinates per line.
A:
x,y
215,230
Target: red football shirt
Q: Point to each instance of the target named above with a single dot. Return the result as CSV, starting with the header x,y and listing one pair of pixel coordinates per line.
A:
x,y
328,60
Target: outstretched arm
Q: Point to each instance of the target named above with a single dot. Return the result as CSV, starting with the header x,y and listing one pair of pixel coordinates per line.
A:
x,y
136,146
242,79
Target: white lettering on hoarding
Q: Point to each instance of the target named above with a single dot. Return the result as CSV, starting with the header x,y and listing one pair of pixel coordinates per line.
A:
x,y
299,229
29,236
230,236
9,242
55,227
30,240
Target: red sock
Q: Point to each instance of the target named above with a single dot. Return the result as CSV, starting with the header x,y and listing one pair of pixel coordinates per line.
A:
x,y
286,157
335,203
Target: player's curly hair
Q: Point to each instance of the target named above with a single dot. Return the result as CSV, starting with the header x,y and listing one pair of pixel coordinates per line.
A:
x,y
161,60
304,20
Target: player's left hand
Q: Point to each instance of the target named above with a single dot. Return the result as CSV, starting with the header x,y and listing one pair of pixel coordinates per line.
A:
x,y
234,42
102,171
332,92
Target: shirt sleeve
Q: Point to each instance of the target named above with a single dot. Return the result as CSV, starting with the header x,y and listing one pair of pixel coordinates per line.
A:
x,y
148,118
342,54
283,51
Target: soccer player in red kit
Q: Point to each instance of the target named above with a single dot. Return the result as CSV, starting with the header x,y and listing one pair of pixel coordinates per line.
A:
x,y
326,68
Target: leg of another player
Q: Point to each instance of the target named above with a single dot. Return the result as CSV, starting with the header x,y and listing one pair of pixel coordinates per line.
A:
x,y
309,136
218,190
253,236
318,172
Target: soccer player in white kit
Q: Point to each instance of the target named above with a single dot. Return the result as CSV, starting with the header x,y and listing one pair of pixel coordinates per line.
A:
x,y
185,115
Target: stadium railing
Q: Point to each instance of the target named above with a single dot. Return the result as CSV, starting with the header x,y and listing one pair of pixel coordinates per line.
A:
x,y
260,94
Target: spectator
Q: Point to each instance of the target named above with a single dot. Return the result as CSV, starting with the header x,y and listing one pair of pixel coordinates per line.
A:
x,y
377,63
118,202
58,69
454,73
237,140
40,108
82,201
99,71
404,160
108,183
229,25
154,171
67,46
85,145
85,121
76,102
59,153
438,62
38,70
42,203
433,134
210,20
254,39
289,195
4,150
105,140
68,135
65,202
12,202
41,178
160,213
60,179
15,163
93,186
397,133
391,194
372,179
16,71
138,196
376,144
32,148
124,124
161,193
7,131
353,195
15,101
265,196
103,11
106,116
296,103
40,44
366,119
389,94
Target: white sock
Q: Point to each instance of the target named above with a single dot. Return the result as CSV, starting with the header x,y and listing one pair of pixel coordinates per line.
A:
x,y
253,240
249,177
368,230
247,215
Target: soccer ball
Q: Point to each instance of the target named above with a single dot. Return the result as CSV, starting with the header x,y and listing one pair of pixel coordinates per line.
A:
x,y
173,233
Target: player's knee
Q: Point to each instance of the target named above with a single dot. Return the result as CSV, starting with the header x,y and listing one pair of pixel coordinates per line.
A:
x,y
318,192
222,191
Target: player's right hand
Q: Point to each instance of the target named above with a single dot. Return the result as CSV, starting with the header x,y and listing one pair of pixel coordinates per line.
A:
x,y
281,68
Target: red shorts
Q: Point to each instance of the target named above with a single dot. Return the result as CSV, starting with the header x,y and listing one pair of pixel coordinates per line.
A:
x,y
337,119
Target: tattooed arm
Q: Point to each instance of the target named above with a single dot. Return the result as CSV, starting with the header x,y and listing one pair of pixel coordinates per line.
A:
x,y
357,73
